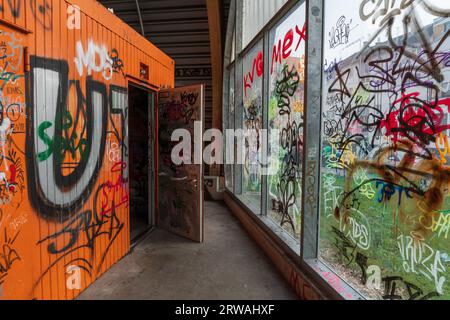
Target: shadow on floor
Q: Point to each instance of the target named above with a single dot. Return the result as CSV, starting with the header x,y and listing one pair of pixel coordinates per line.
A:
x,y
228,266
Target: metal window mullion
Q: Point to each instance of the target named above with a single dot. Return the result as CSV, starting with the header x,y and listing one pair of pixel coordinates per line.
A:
x,y
227,85
230,36
238,91
231,119
265,125
312,130
225,118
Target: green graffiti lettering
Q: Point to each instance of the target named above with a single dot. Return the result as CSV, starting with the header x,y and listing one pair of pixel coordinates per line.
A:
x,y
44,155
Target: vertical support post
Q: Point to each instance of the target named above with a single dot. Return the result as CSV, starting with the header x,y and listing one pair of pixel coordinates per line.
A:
x,y
214,9
312,131
239,101
227,86
265,108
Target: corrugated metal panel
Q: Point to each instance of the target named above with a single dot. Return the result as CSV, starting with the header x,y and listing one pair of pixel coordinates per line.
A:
x,y
63,188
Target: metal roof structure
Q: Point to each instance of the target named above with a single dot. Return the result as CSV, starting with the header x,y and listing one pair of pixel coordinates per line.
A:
x,y
180,29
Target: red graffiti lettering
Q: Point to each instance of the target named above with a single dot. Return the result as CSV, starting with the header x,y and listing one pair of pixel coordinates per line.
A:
x,y
283,49
258,66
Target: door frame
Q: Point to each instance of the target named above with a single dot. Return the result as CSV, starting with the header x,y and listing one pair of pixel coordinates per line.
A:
x,y
152,141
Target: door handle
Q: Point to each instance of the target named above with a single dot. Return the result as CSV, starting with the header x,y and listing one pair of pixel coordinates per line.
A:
x,y
179,179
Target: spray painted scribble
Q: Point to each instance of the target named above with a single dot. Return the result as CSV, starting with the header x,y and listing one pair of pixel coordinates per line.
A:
x,y
286,115
179,183
386,122
340,33
291,143
40,9
96,59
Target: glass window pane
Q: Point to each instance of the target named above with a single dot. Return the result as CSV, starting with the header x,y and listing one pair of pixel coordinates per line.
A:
x,y
286,105
253,66
385,167
257,13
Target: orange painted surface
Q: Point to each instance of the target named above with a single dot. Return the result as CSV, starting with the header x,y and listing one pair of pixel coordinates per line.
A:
x,y
64,213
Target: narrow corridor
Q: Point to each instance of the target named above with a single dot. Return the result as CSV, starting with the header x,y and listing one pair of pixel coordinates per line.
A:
x,y
229,265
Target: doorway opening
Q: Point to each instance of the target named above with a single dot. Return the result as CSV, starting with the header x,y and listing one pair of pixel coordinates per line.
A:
x,y
141,178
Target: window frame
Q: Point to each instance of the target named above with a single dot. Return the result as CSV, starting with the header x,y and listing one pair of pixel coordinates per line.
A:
x,y
306,256
292,245
230,72
317,269
257,209
310,235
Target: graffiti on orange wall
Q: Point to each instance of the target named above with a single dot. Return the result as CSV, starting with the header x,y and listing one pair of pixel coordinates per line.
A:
x,y
41,10
64,183
60,139
83,115
12,160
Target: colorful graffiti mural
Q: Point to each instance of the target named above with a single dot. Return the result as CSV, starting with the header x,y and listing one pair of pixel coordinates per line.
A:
x,y
385,150
252,124
286,111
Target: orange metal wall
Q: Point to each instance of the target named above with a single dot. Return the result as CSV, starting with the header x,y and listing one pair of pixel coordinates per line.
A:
x,y
63,143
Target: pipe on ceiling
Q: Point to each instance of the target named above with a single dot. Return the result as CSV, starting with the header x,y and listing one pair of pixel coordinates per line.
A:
x,y
140,17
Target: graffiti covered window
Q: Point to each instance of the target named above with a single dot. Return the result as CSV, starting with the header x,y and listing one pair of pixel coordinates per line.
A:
x,y
286,105
385,201
253,66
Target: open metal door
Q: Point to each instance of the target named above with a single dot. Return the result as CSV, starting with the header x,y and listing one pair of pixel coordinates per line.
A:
x,y
180,185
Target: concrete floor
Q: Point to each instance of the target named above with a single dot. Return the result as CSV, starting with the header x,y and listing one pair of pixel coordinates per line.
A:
x,y
228,266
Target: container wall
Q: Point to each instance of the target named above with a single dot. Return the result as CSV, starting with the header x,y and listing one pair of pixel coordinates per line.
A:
x,y
64,214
